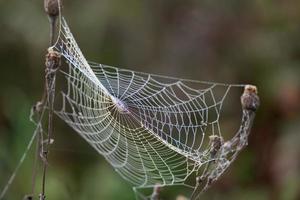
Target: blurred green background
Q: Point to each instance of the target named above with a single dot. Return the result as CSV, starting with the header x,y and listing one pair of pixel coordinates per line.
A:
x,y
233,41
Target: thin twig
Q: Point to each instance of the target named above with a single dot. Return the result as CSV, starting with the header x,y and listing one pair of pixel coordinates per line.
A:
x,y
52,64
52,8
52,21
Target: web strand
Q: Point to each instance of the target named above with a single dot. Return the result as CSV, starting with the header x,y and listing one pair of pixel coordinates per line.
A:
x,y
152,129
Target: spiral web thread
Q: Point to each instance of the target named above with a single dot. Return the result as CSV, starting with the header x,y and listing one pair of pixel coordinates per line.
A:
x,y
153,130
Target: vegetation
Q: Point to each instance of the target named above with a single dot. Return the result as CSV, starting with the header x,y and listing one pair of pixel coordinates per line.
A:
x,y
253,42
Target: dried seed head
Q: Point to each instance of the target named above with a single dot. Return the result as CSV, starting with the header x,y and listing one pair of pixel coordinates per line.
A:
x,y
249,99
250,89
52,7
216,143
53,60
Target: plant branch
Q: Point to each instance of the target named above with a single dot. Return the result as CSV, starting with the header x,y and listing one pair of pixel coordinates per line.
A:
x,y
52,8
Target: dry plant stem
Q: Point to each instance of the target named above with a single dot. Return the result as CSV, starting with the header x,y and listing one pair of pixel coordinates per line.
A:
x,y
52,64
250,102
195,193
156,193
52,21
37,109
216,143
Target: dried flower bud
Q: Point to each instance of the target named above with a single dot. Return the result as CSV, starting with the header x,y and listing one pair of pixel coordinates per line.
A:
x,y
53,60
249,99
216,142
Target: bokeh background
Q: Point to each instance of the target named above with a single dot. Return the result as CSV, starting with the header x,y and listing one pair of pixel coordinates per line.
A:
x,y
233,41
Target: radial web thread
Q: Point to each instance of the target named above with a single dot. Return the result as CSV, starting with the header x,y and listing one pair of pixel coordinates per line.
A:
x,y
153,130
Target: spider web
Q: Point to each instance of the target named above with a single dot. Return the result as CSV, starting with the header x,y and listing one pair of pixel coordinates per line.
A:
x,y
153,130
